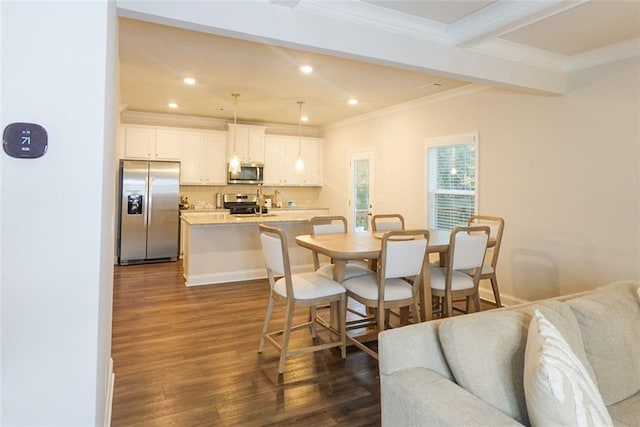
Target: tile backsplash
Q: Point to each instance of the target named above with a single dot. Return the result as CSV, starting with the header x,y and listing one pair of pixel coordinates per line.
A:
x,y
206,195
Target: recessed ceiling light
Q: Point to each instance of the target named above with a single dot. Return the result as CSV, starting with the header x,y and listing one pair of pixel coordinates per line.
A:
x,y
304,118
306,69
352,101
189,80
173,105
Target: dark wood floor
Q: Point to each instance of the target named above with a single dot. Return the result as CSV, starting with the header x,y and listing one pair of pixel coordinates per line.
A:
x,y
188,357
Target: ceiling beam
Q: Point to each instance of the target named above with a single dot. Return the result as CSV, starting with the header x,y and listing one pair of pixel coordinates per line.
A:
x,y
314,26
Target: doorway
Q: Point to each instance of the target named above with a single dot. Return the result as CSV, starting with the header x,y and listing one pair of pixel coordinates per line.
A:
x,y
361,167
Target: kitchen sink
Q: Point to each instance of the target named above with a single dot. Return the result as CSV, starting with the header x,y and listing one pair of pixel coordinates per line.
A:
x,y
255,215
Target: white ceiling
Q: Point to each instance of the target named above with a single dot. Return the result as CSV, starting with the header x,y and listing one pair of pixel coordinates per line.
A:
x,y
529,45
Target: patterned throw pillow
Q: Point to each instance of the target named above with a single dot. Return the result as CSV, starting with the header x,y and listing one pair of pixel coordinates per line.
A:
x,y
558,390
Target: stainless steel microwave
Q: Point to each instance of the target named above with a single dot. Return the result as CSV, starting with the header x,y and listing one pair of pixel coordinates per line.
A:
x,y
250,173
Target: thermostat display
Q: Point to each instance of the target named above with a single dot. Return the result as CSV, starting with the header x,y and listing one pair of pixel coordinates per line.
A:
x,y
25,140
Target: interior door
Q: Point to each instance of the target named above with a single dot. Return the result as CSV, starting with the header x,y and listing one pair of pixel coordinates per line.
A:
x,y
361,167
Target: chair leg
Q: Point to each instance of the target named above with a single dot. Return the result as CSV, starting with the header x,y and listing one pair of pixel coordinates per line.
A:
x,y
313,311
448,307
267,320
288,319
342,322
476,301
404,316
416,313
496,291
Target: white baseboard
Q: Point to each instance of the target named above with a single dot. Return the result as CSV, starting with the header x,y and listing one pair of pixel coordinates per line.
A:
x,y
111,380
506,299
237,276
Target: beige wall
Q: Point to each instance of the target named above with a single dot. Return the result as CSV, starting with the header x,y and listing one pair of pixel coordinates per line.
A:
x,y
563,172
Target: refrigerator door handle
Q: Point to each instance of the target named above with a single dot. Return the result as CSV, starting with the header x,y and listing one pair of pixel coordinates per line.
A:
x,y
149,185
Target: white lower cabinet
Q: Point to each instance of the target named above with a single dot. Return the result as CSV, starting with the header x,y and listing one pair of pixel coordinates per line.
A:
x,y
281,153
203,158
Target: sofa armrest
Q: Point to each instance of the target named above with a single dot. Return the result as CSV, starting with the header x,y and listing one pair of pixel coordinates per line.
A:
x,y
421,397
422,339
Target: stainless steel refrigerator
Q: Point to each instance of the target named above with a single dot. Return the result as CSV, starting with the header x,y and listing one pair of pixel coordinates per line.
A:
x,y
149,220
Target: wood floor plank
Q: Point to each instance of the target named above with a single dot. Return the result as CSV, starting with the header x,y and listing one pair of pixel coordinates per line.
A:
x,y
188,357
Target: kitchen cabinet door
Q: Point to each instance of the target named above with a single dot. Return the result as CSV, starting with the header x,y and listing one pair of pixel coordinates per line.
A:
x,y
203,158
167,146
281,153
215,158
274,160
248,142
310,150
151,143
312,156
138,142
192,164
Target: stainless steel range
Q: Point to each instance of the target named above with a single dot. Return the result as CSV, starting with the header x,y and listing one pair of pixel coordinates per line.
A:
x,y
242,204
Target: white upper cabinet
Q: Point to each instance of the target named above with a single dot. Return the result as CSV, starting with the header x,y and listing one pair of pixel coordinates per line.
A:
x,y
150,143
248,142
281,153
204,157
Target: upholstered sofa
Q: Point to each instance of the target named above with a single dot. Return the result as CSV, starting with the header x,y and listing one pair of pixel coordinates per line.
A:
x,y
488,369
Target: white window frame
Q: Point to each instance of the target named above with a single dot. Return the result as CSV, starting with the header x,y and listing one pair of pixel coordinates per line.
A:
x,y
463,138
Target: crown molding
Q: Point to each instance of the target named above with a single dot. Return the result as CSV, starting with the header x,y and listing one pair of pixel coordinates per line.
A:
x,y
378,18
516,52
503,17
208,123
442,96
616,52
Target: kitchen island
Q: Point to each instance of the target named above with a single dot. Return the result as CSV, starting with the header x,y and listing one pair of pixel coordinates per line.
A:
x,y
221,248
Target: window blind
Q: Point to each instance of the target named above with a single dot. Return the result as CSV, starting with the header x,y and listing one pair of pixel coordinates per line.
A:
x,y
451,184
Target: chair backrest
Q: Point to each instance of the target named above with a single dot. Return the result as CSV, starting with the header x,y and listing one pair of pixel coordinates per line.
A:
x,y
496,224
328,224
384,222
276,255
404,253
467,247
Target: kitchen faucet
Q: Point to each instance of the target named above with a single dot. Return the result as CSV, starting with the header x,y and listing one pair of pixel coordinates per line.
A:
x,y
260,199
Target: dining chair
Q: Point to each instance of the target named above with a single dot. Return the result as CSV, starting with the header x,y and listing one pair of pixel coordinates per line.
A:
x,y
496,224
403,255
335,224
460,276
308,289
384,222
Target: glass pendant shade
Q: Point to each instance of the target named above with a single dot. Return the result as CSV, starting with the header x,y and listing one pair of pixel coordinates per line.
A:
x,y
234,164
299,164
234,161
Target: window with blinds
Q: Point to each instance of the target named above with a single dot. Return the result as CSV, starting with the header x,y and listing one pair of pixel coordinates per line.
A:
x,y
451,176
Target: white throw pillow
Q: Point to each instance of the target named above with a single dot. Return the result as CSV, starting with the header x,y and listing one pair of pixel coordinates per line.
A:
x,y
558,390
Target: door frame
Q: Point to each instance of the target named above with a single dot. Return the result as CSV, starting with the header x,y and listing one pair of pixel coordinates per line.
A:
x,y
363,154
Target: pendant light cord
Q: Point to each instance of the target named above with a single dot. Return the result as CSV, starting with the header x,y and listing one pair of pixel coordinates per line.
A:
x,y
300,129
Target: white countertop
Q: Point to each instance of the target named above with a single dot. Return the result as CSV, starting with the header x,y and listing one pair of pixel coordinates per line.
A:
x,y
218,219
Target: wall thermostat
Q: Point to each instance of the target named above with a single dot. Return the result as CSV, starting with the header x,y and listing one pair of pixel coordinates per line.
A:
x,y
25,140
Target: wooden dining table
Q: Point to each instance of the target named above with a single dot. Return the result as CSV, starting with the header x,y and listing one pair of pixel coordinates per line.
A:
x,y
343,247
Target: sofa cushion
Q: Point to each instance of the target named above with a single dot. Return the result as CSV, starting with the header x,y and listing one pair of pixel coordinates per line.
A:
x,y
626,412
485,352
558,389
403,402
609,320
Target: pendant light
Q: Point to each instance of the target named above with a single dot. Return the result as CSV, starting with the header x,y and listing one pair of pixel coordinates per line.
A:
x,y
234,162
300,162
